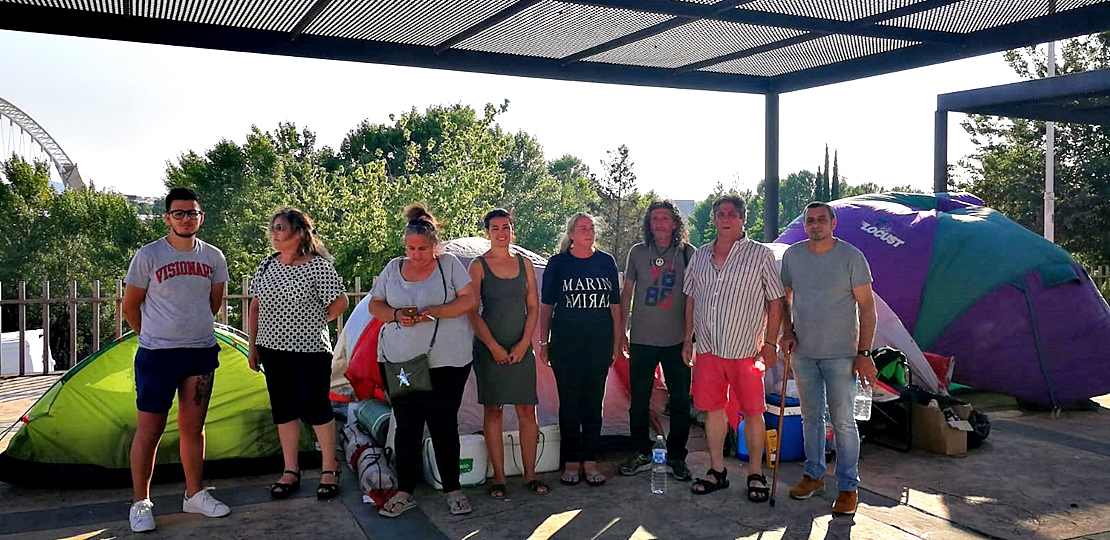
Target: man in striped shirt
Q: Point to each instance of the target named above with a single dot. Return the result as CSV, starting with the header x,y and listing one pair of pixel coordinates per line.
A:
x,y
733,311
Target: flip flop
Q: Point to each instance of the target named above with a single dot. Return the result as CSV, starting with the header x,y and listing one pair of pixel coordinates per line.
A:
x,y
570,479
399,506
459,505
592,479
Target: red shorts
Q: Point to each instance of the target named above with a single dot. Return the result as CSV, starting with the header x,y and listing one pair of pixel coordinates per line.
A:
x,y
713,376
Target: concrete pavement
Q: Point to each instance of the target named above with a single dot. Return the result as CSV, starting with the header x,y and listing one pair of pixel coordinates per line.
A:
x,y
1036,478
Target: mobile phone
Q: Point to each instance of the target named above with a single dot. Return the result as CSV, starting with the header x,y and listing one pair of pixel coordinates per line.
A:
x,y
410,312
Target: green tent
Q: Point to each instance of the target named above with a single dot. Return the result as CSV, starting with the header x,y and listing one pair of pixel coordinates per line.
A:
x,y
79,433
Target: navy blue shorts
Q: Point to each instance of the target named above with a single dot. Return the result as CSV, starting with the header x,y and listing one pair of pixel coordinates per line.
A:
x,y
160,372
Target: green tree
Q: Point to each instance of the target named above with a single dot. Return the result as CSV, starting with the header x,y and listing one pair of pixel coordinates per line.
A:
x,y
1007,168
540,200
820,187
75,235
569,168
836,173
827,186
795,192
702,230
616,189
899,189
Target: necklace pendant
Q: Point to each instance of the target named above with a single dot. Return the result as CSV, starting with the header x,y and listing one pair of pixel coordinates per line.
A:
x,y
659,261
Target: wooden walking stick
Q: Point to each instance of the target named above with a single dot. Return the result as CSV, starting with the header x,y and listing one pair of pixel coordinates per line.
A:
x,y
782,413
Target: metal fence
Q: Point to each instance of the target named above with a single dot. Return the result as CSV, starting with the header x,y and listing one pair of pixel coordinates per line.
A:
x,y
70,302
1101,276
114,302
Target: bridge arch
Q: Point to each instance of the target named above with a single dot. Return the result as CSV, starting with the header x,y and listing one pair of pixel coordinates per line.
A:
x,y
66,168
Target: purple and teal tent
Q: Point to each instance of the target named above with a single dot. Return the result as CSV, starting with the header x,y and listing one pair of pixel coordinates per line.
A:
x,y
1020,316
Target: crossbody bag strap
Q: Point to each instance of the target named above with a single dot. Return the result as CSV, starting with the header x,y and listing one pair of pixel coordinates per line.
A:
x,y
444,279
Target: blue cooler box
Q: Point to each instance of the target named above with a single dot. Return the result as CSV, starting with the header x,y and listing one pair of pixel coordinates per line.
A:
x,y
792,447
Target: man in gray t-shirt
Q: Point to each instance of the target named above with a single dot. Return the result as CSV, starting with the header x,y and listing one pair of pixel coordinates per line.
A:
x,y
175,286
828,292
653,279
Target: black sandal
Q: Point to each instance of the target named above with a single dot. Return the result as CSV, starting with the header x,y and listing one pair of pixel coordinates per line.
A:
x,y
281,490
758,494
708,487
328,491
538,487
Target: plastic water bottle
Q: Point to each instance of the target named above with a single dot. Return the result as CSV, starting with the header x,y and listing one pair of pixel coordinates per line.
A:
x,y
863,401
659,466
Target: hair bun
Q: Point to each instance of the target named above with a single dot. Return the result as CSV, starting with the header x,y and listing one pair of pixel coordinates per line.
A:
x,y
419,211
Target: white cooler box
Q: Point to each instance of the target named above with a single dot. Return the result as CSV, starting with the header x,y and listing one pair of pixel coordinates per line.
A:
x,y
547,452
473,459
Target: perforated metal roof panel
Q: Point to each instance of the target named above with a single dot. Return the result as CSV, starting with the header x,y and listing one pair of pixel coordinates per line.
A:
x,y
754,46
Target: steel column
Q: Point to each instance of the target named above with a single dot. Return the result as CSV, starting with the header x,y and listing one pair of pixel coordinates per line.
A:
x,y
771,165
940,152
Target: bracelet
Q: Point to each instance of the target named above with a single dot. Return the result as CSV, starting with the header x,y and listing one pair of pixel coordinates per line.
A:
x,y
395,310
543,343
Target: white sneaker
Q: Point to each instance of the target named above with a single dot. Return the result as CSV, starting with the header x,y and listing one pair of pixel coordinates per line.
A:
x,y
142,517
205,504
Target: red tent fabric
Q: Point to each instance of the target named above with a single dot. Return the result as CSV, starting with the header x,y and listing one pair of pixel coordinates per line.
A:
x,y
362,368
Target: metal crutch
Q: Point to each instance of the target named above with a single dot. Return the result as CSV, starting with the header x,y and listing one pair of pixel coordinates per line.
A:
x,y
782,413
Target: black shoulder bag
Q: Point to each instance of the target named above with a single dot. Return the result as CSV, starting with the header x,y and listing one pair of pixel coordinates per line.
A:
x,y
413,375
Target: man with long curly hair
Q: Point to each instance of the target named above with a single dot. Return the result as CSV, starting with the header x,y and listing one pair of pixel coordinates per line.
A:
x,y
653,279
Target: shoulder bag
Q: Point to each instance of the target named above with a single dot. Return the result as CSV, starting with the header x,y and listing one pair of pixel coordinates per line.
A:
x,y
413,375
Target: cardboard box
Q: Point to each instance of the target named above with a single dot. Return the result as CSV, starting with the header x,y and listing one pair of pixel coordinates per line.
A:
x,y
931,432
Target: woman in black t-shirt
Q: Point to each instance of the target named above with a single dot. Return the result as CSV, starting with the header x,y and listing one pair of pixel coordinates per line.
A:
x,y
579,316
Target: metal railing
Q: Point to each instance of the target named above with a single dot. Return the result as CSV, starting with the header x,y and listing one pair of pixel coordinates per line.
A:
x,y
72,301
1100,275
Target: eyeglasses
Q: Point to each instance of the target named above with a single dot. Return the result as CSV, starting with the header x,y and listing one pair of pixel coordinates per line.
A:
x,y
180,214
278,226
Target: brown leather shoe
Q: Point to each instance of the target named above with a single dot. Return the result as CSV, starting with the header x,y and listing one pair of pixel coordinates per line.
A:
x,y
807,488
846,502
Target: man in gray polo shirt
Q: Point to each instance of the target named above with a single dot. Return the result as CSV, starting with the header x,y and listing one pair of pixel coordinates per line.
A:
x,y
828,293
654,277
175,286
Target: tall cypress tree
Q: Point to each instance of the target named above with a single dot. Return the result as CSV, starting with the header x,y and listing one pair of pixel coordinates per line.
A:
x,y
819,186
828,185
835,176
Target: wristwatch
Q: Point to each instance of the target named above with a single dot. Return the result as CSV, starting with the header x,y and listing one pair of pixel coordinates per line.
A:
x,y
863,352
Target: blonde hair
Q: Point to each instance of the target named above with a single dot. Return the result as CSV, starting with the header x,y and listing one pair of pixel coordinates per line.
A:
x,y
564,237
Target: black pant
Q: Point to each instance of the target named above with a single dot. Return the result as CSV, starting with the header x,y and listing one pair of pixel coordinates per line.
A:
x,y
440,410
298,384
581,366
641,377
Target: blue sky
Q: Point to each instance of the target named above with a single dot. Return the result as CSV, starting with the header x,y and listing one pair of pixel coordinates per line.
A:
x,y
122,110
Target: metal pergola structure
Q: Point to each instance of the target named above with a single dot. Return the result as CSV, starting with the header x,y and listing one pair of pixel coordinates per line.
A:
x,y
1079,98
764,47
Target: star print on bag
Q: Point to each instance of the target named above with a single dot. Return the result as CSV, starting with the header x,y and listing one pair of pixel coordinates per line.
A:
x,y
403,377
